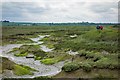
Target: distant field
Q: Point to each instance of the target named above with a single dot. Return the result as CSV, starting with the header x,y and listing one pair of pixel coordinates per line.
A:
x,y
10,33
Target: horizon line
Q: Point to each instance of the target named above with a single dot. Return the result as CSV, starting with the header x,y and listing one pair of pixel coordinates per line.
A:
x,y
56,22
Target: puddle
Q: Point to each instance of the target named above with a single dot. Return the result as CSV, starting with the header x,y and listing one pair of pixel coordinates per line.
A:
x,y
45,49
72,53
73,36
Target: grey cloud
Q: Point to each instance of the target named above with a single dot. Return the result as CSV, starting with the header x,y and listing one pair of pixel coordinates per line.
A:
x,y
72,11
17,9
102,7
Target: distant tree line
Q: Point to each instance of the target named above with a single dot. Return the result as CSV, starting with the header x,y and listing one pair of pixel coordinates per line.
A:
x,y
8,23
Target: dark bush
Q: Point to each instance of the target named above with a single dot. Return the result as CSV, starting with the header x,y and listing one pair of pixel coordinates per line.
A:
x,y
70,67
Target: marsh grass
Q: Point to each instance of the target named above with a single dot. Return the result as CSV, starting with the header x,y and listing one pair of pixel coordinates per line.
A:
x,y
28,68
19,70
61,57
16,68
24,50
22,54
89,43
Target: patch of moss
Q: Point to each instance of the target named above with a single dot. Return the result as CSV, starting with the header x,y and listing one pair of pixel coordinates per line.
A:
x,y
14,49
39,54
37,58
28,68
50,45
21,54
49,61
20,70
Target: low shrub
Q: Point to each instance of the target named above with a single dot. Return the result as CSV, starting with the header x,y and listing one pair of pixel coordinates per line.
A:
x,y
103,63
86,66
82,52
70,67
90,54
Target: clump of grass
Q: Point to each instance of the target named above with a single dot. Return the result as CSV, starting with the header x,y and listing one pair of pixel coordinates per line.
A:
x,y
29,48
49,61
37,58
70,67
86,66
106,63
102,62
34,49
50,45
21,54
97,56
45,39
28,68
90,54
39,54
14,50
82,53
19,70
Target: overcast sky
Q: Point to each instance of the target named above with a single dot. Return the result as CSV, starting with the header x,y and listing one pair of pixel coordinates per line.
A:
x,y
60,11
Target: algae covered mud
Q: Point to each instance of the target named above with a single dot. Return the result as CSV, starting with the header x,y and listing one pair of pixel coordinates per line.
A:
x,y
60,52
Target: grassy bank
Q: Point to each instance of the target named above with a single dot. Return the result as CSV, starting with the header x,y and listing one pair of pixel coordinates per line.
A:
x,y
16,68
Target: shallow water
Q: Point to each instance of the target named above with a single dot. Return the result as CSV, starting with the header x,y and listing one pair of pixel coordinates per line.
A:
x,y
45,49
72,53
43,70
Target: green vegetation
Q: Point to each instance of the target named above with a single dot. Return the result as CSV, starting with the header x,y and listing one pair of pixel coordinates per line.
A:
x,y
40,54
93,61
97,49
24,50
7,64
70,67
28,68
37,58
19,70
21,54
110,63
46,58
49,61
